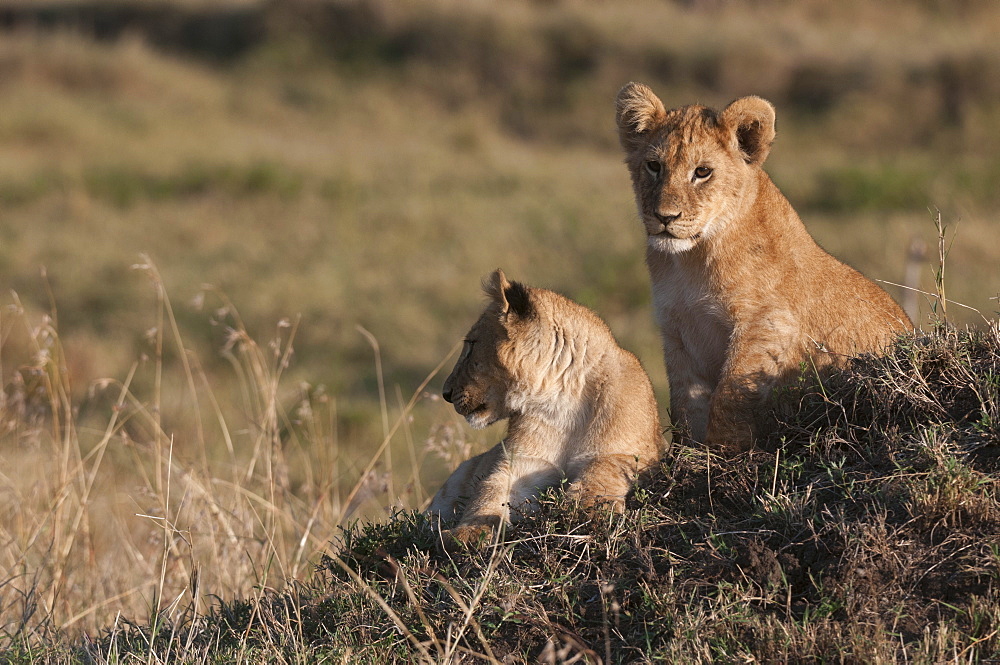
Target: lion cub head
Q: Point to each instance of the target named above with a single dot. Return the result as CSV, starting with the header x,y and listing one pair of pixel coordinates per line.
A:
x,y
690,166
486,384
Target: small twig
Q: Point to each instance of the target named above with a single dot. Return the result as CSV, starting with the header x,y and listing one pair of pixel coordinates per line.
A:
x,y
934,295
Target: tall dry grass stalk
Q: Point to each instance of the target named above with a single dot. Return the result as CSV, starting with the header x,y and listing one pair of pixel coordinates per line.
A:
x,y
148,503
940,306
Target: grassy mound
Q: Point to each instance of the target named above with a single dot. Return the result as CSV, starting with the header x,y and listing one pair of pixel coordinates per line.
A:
x,y
866,527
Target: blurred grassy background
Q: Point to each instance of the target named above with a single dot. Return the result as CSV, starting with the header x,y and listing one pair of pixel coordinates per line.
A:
x,y
364,163
336,164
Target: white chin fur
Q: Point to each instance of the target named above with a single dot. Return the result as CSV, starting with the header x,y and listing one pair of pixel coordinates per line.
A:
x,y
480,420
670,245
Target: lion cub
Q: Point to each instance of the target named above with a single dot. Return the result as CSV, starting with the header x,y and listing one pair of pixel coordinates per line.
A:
x,y
743,295
579,408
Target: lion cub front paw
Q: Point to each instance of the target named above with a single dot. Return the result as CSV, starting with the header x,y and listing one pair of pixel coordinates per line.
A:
x,y
594,501
462,537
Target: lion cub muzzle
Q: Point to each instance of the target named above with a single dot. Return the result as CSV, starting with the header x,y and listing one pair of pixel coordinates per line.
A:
x,y
671,226
469,405
472,386
658,224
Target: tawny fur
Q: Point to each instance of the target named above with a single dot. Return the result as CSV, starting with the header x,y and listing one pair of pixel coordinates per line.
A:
x,y
580,410
743,296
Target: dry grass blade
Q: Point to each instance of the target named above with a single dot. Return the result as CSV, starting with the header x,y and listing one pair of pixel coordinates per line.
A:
x,y
416,604
468,609
352,495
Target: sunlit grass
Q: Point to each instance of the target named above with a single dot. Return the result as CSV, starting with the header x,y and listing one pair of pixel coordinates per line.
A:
x,y
135,501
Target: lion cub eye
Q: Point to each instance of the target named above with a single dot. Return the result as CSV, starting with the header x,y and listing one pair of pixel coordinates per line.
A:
x,y
702,172
653,167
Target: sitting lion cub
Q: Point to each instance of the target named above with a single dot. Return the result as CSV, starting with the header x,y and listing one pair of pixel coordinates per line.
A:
x,y
743,295
579,408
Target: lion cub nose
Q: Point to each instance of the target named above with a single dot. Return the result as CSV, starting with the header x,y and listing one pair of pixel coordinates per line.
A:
x,y
667,218
447,394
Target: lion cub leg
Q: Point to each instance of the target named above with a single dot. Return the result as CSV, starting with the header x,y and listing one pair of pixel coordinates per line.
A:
x,y
750,373
507,480
691,386
690,402
606,480
487,509
470,493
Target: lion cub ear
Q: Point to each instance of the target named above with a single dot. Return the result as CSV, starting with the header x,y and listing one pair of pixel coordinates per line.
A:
x,y
512,298
638,111
750,121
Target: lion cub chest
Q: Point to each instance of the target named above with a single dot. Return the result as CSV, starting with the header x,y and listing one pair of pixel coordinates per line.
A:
x,y
693,320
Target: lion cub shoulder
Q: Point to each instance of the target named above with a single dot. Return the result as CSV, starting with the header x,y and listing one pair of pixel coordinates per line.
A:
x,y
743,295
580,409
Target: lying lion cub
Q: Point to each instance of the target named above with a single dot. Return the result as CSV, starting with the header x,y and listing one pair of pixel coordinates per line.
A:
x,y
743,295
579,408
